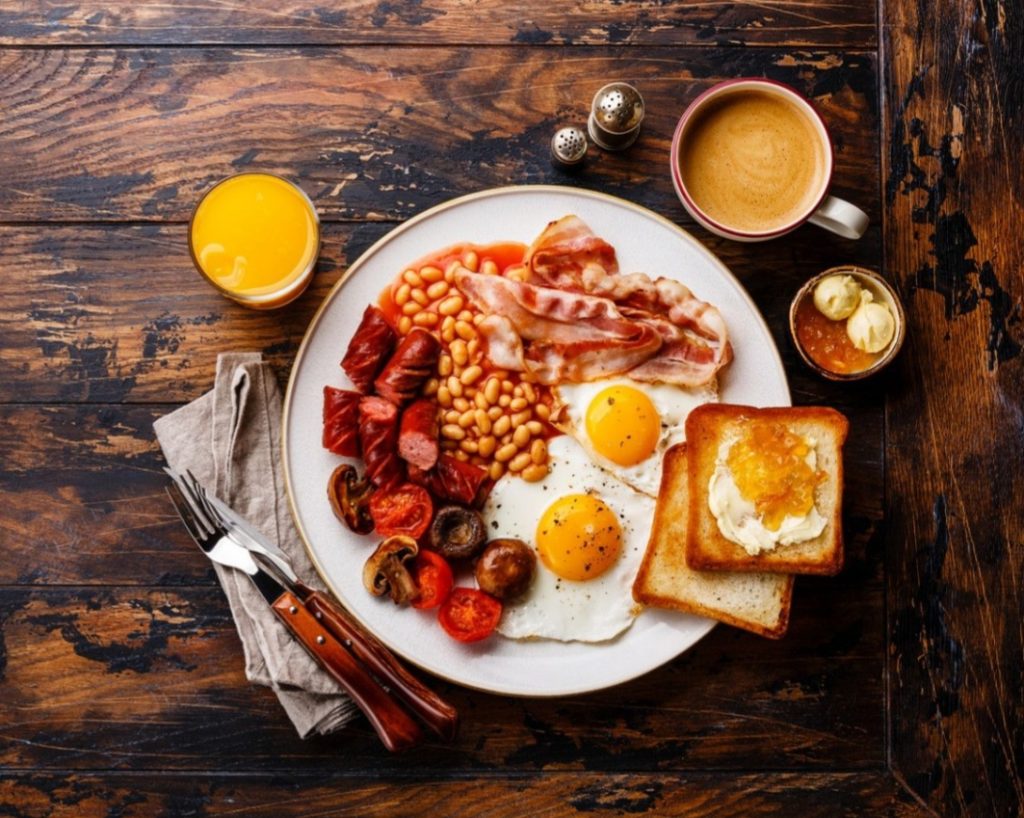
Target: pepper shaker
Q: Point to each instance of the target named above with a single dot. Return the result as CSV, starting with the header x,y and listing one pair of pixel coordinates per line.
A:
x,y
615,116
568,148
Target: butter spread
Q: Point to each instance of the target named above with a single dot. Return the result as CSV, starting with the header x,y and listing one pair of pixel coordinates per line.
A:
x,y
737,516
837,296
871,327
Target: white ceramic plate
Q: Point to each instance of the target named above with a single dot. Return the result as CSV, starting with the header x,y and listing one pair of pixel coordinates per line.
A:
x,y
643,241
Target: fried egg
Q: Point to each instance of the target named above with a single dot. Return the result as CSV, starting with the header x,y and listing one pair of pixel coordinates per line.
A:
x,y
626,426
590,532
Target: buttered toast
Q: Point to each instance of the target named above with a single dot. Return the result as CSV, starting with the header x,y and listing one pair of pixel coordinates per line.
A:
x,y
766,488
754,602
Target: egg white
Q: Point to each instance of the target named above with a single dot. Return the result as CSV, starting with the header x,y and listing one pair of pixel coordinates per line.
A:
x,y
673,404
556,608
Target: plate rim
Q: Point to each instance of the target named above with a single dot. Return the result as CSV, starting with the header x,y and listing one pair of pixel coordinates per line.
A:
x,y
355,266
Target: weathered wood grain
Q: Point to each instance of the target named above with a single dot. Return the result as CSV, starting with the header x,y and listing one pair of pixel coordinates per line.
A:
x,y
116,678
117,313
809,795
370,133
955,215
622,22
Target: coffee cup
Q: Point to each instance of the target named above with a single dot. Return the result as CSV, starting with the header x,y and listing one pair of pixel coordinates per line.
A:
x,y
752,160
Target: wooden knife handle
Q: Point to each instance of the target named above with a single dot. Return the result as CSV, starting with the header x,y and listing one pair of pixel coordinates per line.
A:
x,y
394,726
435,712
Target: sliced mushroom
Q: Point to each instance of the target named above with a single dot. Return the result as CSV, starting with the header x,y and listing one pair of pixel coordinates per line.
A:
x,y
457,533
387,570
350,498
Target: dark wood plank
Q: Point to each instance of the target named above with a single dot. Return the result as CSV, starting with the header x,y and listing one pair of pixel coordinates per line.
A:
x,y
624,22
828,795
955,111
132,679
118,313
371,133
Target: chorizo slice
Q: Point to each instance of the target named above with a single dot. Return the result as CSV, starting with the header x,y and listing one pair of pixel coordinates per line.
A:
x,y
341,421
371,345
417,434
378,435
413,362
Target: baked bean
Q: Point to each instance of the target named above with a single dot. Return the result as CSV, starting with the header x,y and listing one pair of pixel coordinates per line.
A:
x,y
481,401
505,453
448,335
543,411
492,389
483,423
461,404
478,319
458,454
430,274
496,470
454,386
531,474
430,387
505,439
451,416
519,462
471,261
489,267
535,427
465,330
410,308
444,365
425,319
467,419
453,431
507,387
474,350
460,353
518,404
451,305
464,315
529,392
468,446
517,391
448,323
539,452
501,425
404,325
521,436
519,418
444,397
437,289
517,273
470,375
402,294
420,297
504,401
486,445
410,277
494,412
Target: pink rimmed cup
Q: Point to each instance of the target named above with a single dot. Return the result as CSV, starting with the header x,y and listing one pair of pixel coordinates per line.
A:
x,y
834,214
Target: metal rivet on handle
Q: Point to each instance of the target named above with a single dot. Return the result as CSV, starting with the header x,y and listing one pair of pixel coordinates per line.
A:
x,y
293,610
320,640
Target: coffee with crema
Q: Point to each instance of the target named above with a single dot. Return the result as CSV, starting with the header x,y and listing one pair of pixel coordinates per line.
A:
x,y
753,161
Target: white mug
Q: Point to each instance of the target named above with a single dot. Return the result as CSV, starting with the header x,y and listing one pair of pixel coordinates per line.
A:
x,y
830,212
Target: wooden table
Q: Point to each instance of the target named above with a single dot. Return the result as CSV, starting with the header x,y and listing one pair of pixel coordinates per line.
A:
x,y
899,688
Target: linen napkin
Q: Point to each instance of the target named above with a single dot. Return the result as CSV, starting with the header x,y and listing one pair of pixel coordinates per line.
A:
x,y
230,440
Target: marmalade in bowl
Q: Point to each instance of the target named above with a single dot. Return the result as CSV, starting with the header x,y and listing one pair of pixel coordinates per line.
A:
x,y
827,343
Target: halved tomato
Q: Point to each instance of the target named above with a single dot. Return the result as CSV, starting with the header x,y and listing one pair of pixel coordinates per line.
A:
x,y
469,615
433,577
405,510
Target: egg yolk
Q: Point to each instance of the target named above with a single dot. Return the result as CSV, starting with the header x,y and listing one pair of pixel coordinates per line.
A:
x,y
769,464
623,425
579,537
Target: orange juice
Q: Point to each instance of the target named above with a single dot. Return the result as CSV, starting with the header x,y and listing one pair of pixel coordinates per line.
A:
x,y
255,236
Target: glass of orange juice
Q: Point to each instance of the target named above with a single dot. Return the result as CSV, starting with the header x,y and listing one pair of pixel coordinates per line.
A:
x,y
255,237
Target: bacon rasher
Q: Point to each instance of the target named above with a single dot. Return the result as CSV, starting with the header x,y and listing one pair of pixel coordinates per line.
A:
x,y
577,319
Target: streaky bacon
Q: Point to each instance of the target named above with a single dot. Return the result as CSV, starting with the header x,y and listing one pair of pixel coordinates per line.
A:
x,y
563,251
571,336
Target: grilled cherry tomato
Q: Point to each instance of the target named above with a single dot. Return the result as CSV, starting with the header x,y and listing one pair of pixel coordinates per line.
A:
x,y
469,615
433,576
405,510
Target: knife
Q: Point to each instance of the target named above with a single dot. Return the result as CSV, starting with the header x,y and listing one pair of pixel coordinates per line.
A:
x,y
361,664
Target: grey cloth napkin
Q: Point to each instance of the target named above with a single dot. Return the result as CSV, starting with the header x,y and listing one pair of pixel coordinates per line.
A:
x,y
230,440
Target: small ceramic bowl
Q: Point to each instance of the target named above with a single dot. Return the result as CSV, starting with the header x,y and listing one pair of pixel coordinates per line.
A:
x,y
882,291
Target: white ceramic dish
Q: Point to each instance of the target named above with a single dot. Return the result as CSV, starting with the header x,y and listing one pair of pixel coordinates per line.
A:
x,y
643,241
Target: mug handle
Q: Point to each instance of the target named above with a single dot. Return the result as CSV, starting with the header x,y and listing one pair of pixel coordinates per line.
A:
x,y
841,217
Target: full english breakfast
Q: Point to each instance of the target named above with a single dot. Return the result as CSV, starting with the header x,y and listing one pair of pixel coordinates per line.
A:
x,y
520,413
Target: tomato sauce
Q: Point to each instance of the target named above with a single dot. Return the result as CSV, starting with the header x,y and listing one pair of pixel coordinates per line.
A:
x,y
826,343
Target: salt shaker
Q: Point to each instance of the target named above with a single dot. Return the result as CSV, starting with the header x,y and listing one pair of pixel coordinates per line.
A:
x,y
568,148
615,116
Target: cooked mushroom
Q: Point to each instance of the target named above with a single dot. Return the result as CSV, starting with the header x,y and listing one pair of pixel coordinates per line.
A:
x,y
350,498
505,569
387,572
457,533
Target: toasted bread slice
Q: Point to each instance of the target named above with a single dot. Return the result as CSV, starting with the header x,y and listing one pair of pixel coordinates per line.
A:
x,y
754,602
707,548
